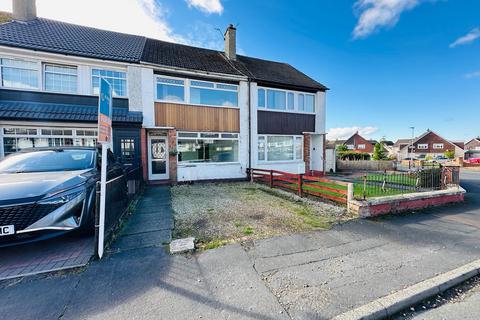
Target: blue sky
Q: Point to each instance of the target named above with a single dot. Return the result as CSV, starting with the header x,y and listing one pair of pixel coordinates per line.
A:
x,y
390,64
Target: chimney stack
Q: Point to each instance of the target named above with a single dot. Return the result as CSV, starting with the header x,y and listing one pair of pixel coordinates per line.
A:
x,y
231,42
24,10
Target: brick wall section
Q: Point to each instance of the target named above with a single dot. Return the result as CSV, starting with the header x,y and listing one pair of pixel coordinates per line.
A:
x,y
143,153
172,158
306,151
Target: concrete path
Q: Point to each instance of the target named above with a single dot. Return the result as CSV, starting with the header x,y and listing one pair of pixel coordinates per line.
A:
x,y
151,223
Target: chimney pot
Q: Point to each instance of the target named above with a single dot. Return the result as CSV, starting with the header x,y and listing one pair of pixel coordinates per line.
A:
x,y
24,10
231,42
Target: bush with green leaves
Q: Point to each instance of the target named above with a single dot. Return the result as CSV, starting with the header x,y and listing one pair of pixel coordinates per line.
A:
x,y
449,154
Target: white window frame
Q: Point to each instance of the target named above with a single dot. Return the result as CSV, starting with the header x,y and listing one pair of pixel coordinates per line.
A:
x,y
422,146
350,146
44,76
186,92
198,136
38,69
295,156
92,91
438,146
362,146
296,95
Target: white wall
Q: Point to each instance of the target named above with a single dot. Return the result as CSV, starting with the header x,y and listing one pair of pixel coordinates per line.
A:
x,y
316,152
331,160
208,171
141,89
243,100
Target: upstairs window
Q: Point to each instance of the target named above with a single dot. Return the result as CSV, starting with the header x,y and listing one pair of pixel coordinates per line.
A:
x,y
213,94
60,78
21,74
170,90
276,99
261,98
361,146
438,146
116,79
309,103
422,146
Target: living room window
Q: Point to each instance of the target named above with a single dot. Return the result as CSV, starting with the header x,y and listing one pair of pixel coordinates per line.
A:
x,y
196,147
280,148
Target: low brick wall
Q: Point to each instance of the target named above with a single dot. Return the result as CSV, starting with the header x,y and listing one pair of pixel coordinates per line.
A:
x,y
406,202
365,165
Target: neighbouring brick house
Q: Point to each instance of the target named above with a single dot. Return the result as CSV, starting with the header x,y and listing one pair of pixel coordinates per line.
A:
x,y
472,149
428,144
355,143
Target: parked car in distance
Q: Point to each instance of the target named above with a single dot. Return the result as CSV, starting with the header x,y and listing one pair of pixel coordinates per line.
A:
x,y
473,160
45,192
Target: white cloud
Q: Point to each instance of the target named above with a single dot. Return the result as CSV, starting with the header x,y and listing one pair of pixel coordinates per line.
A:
x,y
141,17
375,14
207,6
468,38
472,75
345,133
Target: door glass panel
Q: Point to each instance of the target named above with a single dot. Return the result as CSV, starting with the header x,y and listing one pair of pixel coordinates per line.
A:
x,y
159,156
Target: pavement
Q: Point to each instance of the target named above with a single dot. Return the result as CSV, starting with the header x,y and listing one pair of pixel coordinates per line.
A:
x,y
316,275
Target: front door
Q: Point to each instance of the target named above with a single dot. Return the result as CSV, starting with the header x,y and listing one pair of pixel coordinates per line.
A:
x,y
157,158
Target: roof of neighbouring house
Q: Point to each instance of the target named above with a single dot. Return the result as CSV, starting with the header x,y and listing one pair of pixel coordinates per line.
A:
x,y
459,144
70,39
399,142
66,38
20,110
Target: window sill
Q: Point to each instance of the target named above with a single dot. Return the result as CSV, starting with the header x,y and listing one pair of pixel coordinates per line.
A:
x,y
287,111
281,162
200,164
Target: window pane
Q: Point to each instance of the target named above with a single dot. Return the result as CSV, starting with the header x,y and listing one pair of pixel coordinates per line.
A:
x,y
227,87
279,148
229,135
301,102
61,78
261,98
213,97
209,135
127,150
202,84
167,92
309,103
188,134
170,81
290,104
116,79
276,100
207,150
298,148
19,74
261,148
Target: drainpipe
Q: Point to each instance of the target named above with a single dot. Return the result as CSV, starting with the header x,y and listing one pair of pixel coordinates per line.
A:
x,y
249,81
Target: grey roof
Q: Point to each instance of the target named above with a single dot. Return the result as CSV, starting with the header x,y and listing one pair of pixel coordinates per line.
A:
x,y
20,110
65,38
186,57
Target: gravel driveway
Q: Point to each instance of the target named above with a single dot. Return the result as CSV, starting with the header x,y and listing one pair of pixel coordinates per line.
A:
x,y
219,213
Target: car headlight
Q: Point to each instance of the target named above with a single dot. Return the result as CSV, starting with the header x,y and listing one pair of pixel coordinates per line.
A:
x,y
63,197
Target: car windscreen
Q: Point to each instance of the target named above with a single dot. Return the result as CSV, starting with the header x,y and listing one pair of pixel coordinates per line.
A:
x,y
48,160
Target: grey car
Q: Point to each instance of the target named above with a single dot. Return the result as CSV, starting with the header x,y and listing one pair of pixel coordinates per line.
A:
x,y
49,191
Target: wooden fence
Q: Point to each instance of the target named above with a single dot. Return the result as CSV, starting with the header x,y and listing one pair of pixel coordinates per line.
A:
x,y
333,190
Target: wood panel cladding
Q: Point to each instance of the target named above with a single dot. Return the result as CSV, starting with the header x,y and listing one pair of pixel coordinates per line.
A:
x,y
270,122
197,118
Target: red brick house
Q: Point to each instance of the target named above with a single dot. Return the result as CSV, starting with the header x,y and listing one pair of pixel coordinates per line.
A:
x,y
358,143
472,149
430,144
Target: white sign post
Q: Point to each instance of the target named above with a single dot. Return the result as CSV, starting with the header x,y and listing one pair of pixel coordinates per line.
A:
x,y
105,139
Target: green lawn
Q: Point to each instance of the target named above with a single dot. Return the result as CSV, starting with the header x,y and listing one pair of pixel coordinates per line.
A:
x,y
400,179
375,191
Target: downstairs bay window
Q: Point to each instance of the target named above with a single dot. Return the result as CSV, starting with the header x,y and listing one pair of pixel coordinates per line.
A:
x,y
280,148
206,147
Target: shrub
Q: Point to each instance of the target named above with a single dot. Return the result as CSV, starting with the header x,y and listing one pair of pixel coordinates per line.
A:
x,y
449,154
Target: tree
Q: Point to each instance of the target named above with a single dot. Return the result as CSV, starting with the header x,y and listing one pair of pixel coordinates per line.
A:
x,y
449,154
342,148
379,151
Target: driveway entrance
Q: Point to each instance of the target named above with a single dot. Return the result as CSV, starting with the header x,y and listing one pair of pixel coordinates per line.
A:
x,y
61,253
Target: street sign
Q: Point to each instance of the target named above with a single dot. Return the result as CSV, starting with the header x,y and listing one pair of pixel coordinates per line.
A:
x,y
105,112
105,138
